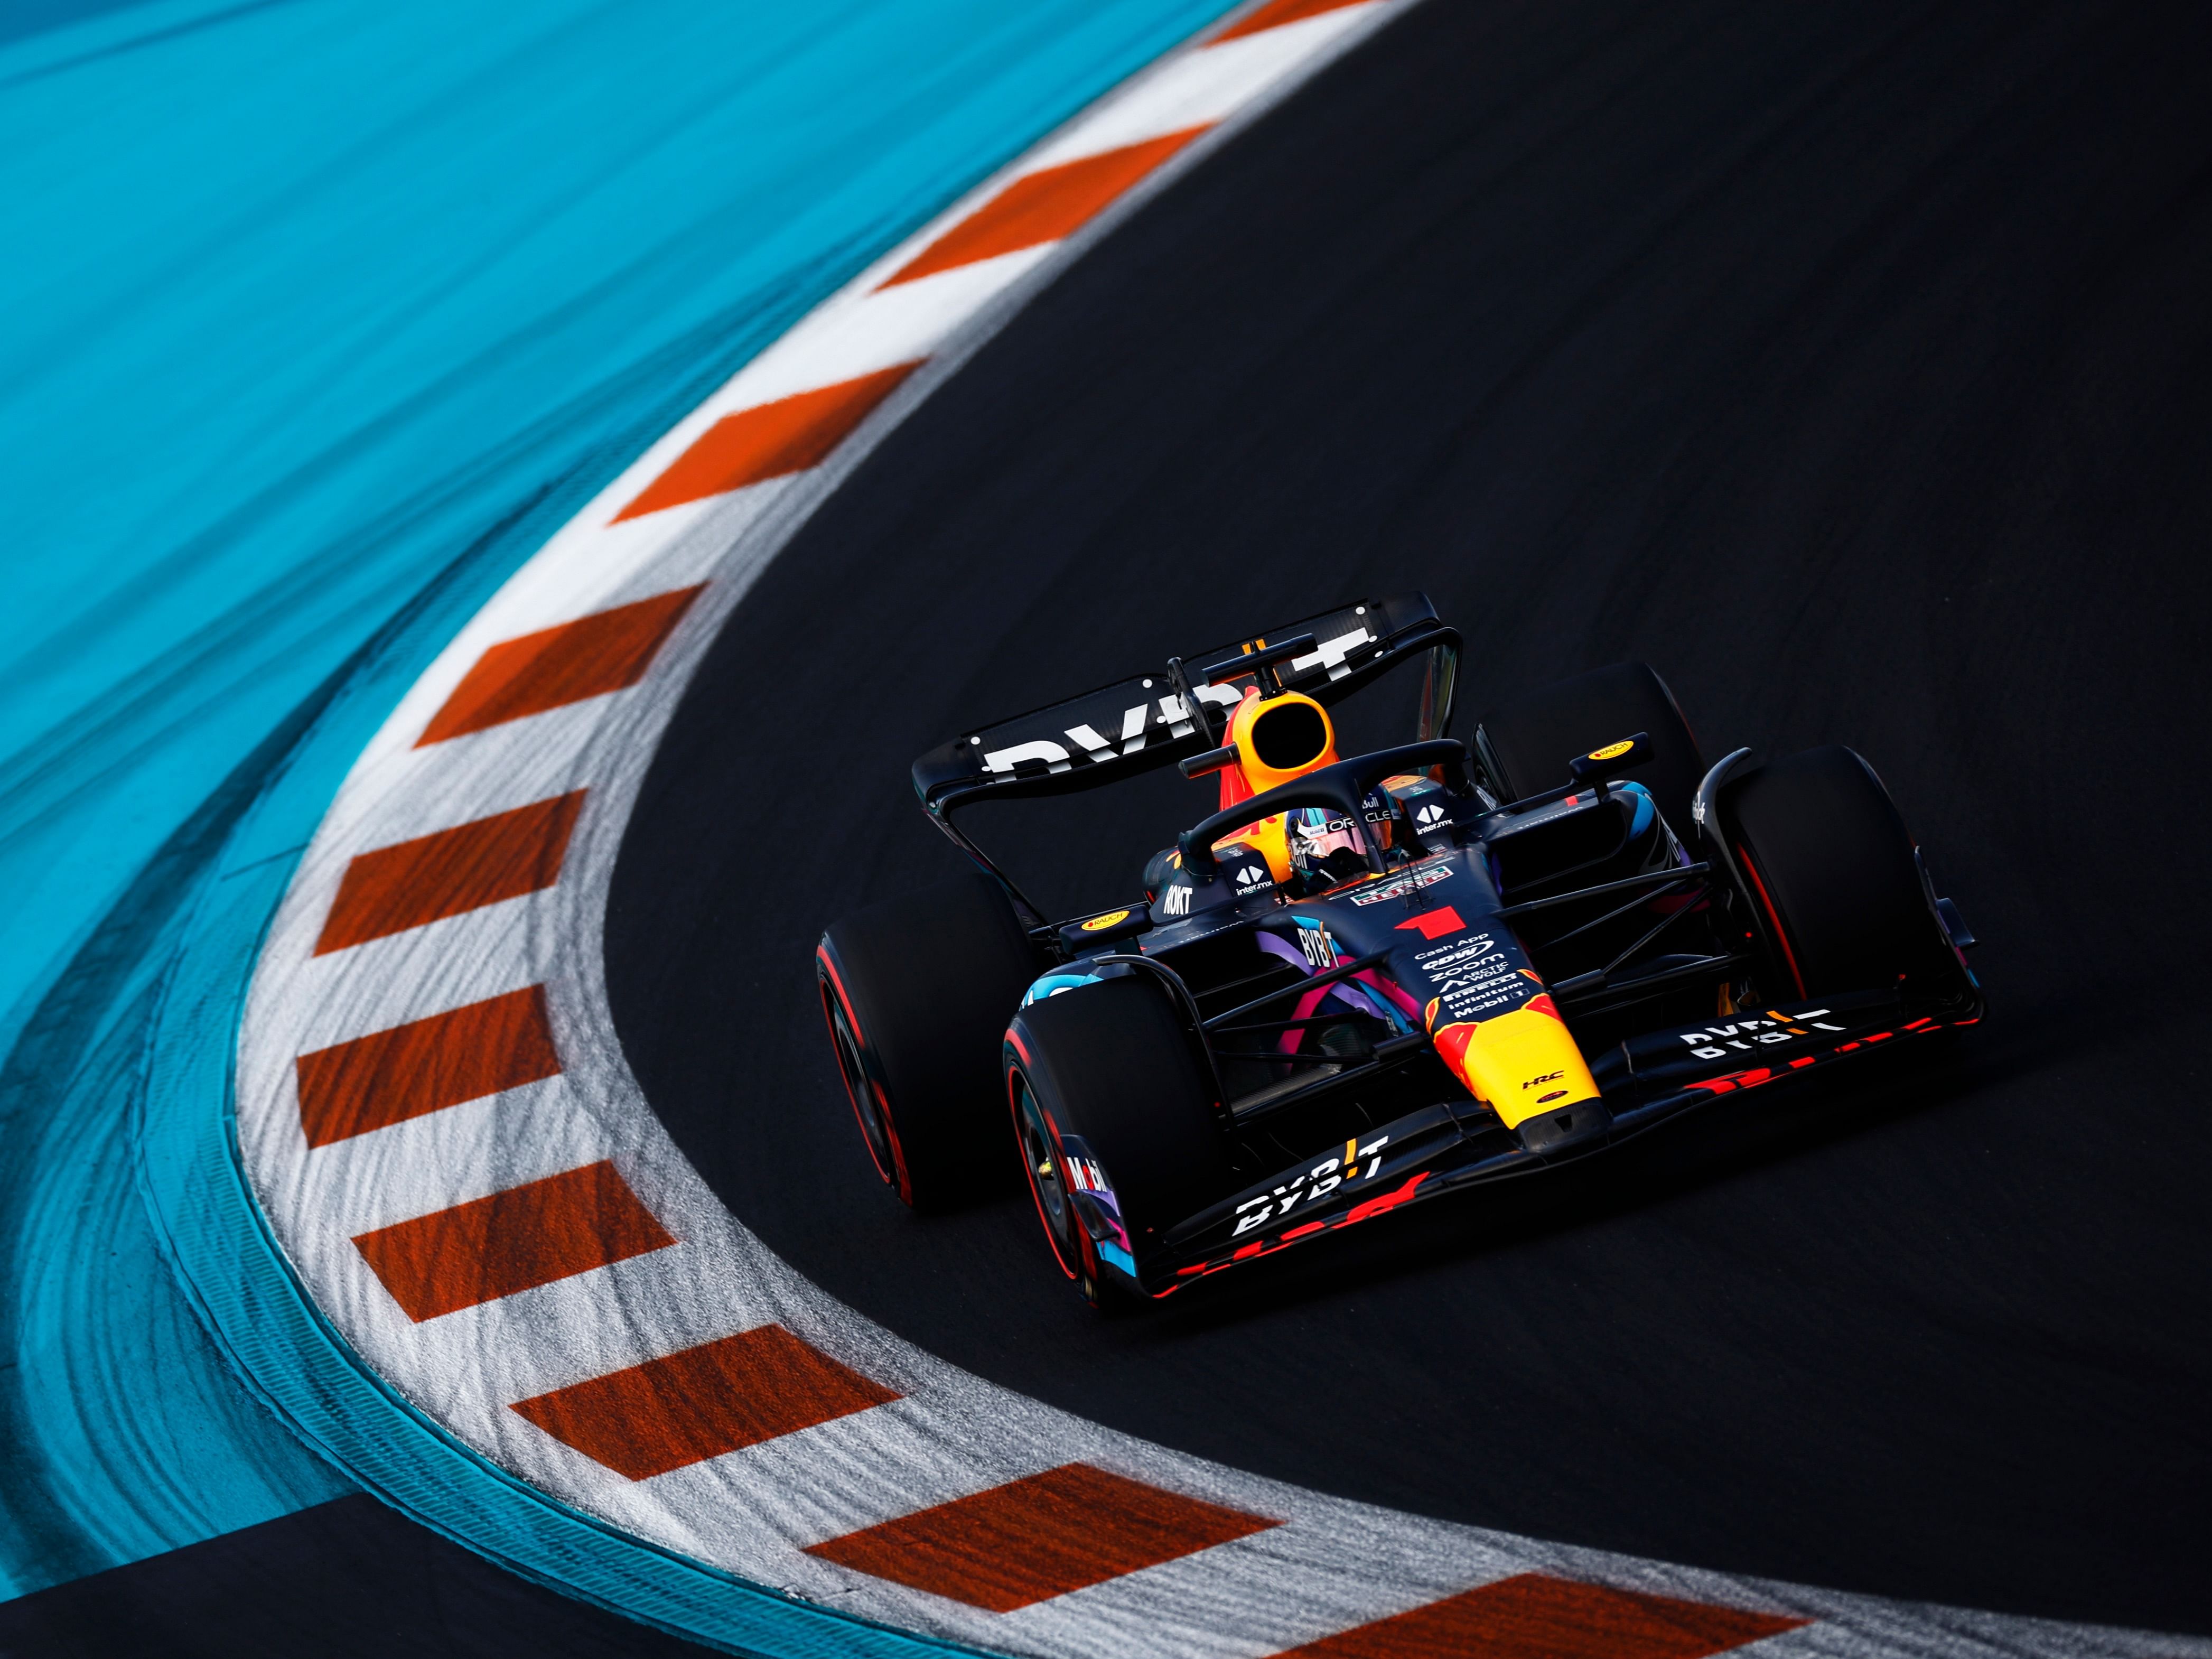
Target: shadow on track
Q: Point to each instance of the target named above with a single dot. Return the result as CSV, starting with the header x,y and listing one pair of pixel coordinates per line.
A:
x,y
1851,365
348,1579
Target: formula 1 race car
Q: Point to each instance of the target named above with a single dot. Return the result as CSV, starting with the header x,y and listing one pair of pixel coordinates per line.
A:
x,y
1363,983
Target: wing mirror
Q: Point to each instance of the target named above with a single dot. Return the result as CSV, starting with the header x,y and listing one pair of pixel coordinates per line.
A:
x,y
1089,935
1611,760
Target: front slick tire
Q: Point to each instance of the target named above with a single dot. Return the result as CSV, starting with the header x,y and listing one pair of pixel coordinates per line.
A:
x,y
916,993
1105,1074
1832,870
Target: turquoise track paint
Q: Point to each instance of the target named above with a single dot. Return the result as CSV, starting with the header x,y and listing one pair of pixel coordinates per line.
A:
x,y
120,1436
28,17
319,316
231,1272
301,297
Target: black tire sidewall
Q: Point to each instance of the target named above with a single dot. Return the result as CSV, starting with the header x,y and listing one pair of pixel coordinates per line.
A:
x,y
1077,1256
929,982
1827,858
865,1091
1112,1065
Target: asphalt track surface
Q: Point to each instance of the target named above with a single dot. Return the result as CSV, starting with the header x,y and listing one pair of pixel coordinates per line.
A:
x,y
1852,365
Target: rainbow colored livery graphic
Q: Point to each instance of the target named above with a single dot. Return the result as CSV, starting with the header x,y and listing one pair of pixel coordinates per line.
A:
x,y
1367,981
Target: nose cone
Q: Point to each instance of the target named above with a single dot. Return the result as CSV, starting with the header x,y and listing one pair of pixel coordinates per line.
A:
x,y
1565,1128
1521,1064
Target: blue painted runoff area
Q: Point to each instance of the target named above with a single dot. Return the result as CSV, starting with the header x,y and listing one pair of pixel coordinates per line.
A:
x,y
318,316
213,1238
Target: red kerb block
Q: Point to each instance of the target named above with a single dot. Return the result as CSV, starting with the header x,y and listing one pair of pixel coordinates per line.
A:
x,y
426,1065
1275,15
1043,206
1031,1539
414,883
590,657
719,1397
755,445
1536,1616
526,1237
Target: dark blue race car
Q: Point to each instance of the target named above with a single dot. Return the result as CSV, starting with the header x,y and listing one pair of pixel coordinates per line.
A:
x,y
1367,981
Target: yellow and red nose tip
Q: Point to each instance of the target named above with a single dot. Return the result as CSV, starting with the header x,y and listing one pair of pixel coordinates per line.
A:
x,y
1520,1063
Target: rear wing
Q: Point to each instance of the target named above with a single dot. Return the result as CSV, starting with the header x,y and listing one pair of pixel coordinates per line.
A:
x,y
1141,723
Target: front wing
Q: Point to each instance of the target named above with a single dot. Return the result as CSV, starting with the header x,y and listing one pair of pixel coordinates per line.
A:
x,y
1446,1147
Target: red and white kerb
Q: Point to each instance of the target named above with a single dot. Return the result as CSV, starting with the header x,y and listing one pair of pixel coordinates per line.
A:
x,y
434,1114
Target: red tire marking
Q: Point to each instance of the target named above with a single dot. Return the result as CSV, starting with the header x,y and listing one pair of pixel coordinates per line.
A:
x,y
1029,1171
897,1176
901,1177
844,1001
1773,915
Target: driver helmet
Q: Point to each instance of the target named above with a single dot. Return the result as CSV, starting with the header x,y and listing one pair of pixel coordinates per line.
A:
x,y
1283,737
1326,848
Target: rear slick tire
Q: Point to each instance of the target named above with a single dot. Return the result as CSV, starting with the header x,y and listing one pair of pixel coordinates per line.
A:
x,y
916,993
1109,1101
1834,877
